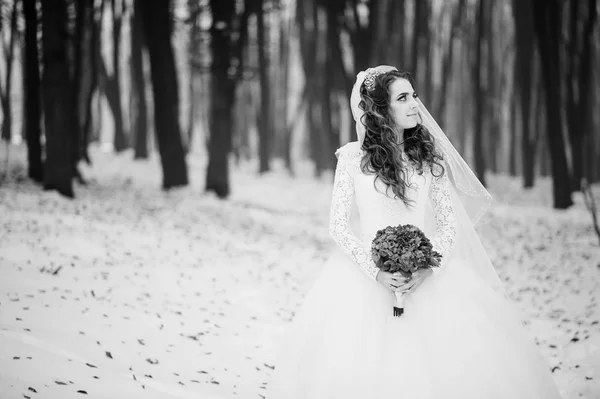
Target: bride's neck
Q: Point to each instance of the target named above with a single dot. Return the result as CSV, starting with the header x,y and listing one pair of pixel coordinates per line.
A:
x,y
400,139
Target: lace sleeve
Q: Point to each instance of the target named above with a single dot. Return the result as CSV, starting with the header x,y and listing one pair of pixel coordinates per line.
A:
x,y
445,220
341,205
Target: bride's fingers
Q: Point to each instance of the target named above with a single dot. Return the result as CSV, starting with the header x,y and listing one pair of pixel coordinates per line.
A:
x,y
406,286
400,279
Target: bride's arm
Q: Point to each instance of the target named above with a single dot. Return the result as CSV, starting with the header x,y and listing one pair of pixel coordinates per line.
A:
x,y
439,193
341,206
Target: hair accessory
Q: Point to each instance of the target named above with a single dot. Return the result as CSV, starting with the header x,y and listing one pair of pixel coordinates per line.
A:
x,y
371,75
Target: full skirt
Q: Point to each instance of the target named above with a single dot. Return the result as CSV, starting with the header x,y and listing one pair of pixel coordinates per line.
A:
x,y
457,338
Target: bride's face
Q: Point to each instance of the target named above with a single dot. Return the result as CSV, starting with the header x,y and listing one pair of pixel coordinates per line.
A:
x,y
403,104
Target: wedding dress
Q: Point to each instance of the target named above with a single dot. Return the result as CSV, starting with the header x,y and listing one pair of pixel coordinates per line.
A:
x,y
457,339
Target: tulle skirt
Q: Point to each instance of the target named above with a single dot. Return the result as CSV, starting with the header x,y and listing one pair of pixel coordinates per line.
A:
x,y
457,338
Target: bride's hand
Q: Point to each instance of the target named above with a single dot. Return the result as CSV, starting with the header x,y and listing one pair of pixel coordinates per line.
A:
x,y
391,280
416,280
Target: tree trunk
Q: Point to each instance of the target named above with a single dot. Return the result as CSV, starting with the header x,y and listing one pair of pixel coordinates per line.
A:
x,y
524,38
222,92
512,163
113,89
362,35
584,104
448,61
396,19
426,48
139,113
333,62
88,80
308,22
465,90
592,145
492,93
5,91
381,53
479,96
418,10
287,132
56,91
531,145
265,134
546,18
541,145
80,68
195,47
92,120
317,121
157,28
32,93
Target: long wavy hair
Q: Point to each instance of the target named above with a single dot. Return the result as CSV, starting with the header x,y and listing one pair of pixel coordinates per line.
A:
x,y
383,155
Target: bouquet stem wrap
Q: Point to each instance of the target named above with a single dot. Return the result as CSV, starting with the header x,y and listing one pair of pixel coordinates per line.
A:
x,y
399,307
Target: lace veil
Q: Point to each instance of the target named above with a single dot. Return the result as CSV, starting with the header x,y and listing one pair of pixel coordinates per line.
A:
x,y
470,200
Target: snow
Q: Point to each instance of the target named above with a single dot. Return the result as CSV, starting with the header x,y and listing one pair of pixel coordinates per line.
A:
x,y
128,291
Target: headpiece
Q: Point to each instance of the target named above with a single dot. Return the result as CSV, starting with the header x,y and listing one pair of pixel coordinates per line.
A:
x,y
371,74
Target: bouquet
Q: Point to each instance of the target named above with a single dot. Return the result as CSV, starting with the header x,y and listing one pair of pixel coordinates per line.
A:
x,y
404,249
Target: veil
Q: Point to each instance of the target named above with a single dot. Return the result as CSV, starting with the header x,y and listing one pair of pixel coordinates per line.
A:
x,y
470,199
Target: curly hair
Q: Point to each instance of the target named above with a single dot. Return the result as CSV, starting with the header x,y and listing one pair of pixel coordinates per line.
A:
x,y
383,155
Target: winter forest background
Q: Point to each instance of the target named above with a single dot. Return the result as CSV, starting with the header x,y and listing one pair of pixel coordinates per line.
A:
x,y
166,165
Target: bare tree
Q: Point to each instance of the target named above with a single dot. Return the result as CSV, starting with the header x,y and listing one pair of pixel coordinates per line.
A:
x,y
91,79
578,79
195,52
479,95
334,80
525,47
448,60
86,75
31,76
58,171
5,87
264,117
139,108
546,19
308,21
284,129
158,28
493,88
586,80
361,33
112,81
226,56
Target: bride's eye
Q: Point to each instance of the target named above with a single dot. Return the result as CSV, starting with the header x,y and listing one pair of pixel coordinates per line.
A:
x,y
415,95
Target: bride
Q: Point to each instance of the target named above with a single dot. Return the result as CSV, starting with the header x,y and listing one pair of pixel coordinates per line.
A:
x,y
459,336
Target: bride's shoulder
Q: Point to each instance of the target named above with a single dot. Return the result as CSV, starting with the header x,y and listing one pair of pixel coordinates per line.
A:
x,y
352,149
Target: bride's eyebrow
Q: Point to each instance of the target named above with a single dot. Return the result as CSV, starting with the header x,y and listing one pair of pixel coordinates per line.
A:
x,y
403,94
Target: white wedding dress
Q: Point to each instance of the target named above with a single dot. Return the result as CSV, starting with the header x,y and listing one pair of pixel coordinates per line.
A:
x,y
457,339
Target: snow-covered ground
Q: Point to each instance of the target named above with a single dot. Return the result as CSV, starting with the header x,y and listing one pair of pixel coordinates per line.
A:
x,y
131,292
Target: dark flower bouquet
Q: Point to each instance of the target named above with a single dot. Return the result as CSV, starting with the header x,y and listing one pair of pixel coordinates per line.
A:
x,y
403,249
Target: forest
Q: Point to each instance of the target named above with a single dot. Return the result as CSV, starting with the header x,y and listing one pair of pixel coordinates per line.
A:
x,y
166,171
513,83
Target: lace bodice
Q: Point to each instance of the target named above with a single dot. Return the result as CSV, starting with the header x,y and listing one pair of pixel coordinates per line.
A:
x,y
378,210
